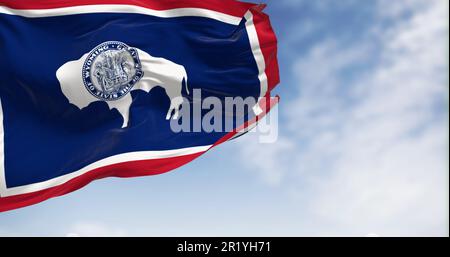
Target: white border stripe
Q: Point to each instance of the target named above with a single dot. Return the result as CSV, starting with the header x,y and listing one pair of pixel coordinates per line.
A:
x,y
120,158
122,8
257,53
2,153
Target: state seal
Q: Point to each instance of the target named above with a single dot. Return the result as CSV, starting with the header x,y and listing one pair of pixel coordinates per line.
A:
x,y
111,70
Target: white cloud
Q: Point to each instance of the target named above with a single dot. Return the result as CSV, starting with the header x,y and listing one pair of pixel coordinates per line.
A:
x,y
93,229
264,162
396,9
4,233
369,155
322,5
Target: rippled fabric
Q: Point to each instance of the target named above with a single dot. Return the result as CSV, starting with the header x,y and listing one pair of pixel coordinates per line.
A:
x,y
57,132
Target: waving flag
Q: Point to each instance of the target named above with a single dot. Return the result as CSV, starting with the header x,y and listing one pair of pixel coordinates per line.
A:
x,y
90,88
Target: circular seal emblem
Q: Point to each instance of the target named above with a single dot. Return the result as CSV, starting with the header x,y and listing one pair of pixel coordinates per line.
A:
x,y
111,70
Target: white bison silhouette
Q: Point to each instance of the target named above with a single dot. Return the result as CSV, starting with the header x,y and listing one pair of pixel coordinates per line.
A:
x,y
157,72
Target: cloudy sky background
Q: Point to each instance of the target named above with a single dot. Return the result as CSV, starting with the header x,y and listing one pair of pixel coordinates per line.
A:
x,y
362,147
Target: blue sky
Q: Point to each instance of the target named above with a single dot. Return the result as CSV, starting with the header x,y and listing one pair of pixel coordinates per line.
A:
x,y
362,147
